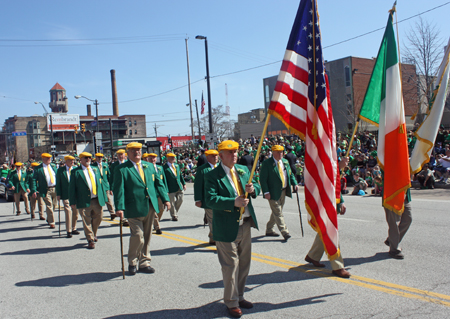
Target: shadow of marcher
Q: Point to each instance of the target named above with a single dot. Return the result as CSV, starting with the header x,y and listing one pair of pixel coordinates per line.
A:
x,y
216,309
179,227
183,250
70,280
20,239
364,260
47,250
267,239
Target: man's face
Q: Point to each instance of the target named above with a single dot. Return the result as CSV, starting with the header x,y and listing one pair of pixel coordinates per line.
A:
x,y
46,160
277,155
18,168
69,162
121,157
152,159
229,157
99,159
134,154
171,159
86,161
212,159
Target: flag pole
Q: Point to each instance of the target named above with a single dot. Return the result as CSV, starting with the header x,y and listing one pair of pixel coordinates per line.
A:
x,y
255,162
353,137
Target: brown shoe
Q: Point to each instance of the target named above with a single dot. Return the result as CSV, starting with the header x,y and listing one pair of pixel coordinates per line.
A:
x,y
125,223
33,216
52,226
212,242
18,213
314,262
95,239
235,312
175,219
245,304
42,218
341,273
272,234
91,245
113,216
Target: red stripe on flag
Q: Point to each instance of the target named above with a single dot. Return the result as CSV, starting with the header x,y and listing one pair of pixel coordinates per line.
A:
x,y
297,72
293,96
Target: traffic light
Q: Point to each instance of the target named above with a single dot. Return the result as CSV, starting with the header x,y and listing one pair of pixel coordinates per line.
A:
x,y
76,129
83,127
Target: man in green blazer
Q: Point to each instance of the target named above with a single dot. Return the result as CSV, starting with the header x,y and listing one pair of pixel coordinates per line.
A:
x,y
18,181
175,185
212,157
136,190
44,183
276,180
86,194
38,199
225,188
121,158
106,176
151,158
62,193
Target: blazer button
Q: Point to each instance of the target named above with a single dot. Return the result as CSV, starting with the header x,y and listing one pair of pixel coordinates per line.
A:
x,y
146,196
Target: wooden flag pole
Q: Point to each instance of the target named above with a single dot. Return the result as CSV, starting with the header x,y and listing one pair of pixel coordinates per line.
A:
x,y
121,250
353,137
255,162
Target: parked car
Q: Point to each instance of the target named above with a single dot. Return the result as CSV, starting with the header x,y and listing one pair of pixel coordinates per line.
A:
x,y
6,192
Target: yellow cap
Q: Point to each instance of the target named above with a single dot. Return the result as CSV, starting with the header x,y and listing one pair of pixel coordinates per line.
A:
x,y
152,154
68,157
34,164
45,155
99,155
144,155
121,151
277,148
85,154
211,152
18,164
133,145
170,155
228,145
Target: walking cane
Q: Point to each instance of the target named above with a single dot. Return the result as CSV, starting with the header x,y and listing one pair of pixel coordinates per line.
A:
x,y
59,218
14,205
121,250
300,213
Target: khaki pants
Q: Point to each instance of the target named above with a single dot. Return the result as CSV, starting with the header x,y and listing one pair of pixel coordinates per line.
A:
x,y
277,215
209,218
71,216
235,260
110,203
141,233
40,201
317,250
158,215
24,195
51,203
176,199
92,218
398,226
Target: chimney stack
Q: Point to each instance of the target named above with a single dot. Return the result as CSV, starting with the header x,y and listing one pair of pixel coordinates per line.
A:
x,y
88,110
114,93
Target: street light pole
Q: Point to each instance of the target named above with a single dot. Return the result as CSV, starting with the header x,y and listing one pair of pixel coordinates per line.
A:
x,y
200,37
96,113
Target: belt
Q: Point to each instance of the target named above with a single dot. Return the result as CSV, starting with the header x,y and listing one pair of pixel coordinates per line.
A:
x,y
50,186
246,219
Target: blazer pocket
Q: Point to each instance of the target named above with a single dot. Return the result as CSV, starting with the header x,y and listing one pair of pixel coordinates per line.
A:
x,y
228,211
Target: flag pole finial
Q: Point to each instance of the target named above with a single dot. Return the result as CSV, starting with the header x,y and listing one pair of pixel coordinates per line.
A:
x,y
393,8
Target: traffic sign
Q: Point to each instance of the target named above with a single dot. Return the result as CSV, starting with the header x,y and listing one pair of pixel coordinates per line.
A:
x,y
19,133
93,123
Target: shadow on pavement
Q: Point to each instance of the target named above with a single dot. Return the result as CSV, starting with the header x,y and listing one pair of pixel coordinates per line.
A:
x,y
17,229
47,250
181,227
364,260
69,280
217,309
267,239
182,250
26,238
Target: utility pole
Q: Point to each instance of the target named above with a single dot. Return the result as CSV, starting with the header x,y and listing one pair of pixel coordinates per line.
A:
x,y
198,121
53,142
189,89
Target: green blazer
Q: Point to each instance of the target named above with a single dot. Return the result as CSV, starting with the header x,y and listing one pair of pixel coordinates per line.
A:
x,y
79,192
131,194
199,184
62,182
39,182
270,179
23,182
112,169
174,183
105,174
220,197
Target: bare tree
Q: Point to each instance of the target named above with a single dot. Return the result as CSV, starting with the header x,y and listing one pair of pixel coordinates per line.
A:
x,y
222,125
424,49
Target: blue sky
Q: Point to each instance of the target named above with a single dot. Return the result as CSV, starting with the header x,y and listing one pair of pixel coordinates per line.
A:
x,y
144,41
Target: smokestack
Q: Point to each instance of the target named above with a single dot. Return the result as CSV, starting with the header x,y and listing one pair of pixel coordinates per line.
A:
x,y
114,93
88,110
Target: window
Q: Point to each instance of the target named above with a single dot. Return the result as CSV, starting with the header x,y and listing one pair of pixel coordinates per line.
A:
x,y
347,76
34,125
267,94
129,123
135,131
38,124
131,132
134,122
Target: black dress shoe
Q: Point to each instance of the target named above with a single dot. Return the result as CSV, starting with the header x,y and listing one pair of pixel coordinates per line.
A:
x,y
158,231
125,223
397,254
286,236
175,219
245,304
386,242
75,232
147,270
272,234
69,235
113,216
131,270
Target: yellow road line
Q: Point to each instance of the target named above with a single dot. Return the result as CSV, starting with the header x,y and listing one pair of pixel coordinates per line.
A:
x,y
369,283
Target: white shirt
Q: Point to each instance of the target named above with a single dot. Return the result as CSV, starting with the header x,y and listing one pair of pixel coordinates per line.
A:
x,y
47,176
228,172
445,163
88,178
212,165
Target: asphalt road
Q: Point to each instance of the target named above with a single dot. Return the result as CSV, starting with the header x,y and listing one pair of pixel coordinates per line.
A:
x,y
44,276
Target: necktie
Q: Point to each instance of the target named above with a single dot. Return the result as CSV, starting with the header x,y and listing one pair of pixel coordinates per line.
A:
x,y
94,187
174,169
19,173
101,170
280,170
141,172
52,179
238,185
68,173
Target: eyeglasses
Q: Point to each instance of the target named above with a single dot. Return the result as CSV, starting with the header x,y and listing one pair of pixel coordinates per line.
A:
x,y
87,157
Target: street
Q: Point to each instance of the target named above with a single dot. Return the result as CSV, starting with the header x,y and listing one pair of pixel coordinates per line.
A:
x,y
46,276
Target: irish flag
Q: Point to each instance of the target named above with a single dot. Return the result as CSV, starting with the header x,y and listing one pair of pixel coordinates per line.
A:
x,y
384,97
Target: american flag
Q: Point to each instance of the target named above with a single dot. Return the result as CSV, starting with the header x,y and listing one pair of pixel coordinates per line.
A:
x,y
301,100
203,105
